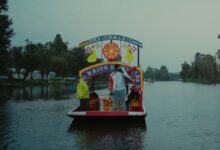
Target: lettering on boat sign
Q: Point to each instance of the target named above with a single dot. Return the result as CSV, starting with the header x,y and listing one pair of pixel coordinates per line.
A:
x,y
99,69
111,37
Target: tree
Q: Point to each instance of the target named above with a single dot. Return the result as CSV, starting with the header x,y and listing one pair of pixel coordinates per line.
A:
x,y
31,58
161,74
17,58
6,32
79,60
218,58
186,72
149,73
59,65
203,69
45,63
164,75
218,54
195,66
59,46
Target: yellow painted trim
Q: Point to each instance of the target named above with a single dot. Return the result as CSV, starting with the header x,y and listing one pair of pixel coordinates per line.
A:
x,y
84,43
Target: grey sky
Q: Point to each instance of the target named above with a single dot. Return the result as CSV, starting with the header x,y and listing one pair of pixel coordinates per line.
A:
x,y
171,31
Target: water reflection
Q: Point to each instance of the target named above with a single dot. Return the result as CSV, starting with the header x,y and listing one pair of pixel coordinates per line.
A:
x,y
28,93
109,134
5,131
181,116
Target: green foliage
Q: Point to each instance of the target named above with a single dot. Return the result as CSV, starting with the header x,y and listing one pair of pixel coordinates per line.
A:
x,y
186,71
161,74
204,68
79,60
149,73
51,56
59,46
59,65
218,58
17,58
164,75
5,34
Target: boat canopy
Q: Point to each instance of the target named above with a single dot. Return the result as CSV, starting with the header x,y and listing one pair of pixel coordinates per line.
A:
x,y
110,38
112,48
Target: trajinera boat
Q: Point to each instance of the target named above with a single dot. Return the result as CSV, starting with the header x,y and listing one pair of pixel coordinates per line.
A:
x,y
113,48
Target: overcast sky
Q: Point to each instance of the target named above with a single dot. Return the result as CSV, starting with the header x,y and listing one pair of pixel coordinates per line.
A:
x,y
171,31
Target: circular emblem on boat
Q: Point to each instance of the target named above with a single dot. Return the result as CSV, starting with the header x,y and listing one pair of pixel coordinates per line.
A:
x,y
111,51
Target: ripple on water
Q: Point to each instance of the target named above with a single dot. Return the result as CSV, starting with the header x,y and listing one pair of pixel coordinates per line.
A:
x,y
7,138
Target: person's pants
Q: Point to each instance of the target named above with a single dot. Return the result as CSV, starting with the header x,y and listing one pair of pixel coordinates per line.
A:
x,y
119,95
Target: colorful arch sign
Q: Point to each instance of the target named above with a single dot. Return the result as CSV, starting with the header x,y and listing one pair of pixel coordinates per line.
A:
x,y
111,38
105,67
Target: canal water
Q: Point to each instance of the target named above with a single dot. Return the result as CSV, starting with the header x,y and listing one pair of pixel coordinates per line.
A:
x,y
180,116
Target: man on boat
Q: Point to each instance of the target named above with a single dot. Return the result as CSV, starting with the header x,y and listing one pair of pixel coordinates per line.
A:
x,y
118,86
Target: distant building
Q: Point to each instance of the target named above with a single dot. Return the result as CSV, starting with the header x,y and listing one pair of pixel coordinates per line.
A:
x,y
36,74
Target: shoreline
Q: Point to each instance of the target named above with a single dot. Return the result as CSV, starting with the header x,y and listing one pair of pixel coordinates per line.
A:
x,y
46,83
202,81
42,83
26,83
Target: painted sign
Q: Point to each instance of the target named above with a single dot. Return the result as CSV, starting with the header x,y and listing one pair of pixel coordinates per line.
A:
x,y
100,68
109,38
111,51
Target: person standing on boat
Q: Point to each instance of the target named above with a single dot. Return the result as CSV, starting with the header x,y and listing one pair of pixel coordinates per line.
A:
x,y
126,74
119,88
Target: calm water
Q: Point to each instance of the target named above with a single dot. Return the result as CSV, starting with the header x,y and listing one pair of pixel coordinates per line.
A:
x,y
180,116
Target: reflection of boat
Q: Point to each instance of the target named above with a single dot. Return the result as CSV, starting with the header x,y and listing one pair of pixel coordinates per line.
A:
x,y
101,105
114,134
107,123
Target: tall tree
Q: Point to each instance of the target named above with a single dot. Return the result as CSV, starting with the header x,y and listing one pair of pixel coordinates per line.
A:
x,y
203,69
59,46
218,54
218,59
79,61
44,64
149,73
17,58
164,73
6,32
186,72
59,65
31,58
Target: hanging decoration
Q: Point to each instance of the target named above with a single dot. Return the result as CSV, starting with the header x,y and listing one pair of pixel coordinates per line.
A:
x,y
92,53
133,49
129,56
92,56
129,51
111,51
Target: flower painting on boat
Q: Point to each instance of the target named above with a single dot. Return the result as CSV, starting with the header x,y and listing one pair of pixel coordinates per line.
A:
x,y
111,51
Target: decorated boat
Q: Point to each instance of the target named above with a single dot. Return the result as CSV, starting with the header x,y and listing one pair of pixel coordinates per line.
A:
x,y
113,48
